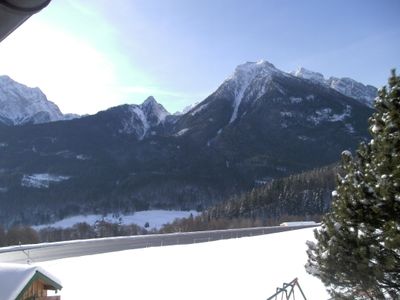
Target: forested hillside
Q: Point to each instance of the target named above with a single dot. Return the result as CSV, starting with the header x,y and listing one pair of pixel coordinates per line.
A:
x,y
304,196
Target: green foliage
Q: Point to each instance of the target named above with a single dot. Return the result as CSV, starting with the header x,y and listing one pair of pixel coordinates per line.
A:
x,y
358,251
303,195
299,197
3,239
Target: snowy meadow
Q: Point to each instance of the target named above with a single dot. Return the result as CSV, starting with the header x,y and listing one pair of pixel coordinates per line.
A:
x,y
154,218
246,269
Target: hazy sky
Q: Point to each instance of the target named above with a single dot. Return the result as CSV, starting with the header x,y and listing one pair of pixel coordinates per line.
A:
x,y
88,55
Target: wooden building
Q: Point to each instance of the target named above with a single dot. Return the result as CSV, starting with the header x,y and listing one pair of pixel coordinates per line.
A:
x,y
26,282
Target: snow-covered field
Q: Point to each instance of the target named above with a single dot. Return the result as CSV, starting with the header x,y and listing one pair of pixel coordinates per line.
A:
x,y
42,180
236,269
155,218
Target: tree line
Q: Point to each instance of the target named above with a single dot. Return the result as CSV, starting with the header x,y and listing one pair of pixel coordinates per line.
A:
x,y
300,197
20,235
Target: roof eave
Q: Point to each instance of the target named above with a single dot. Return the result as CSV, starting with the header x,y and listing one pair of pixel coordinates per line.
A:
x,y
52,284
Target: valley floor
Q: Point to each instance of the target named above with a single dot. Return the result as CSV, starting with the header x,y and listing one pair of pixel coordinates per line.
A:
x,y
242,269
154,218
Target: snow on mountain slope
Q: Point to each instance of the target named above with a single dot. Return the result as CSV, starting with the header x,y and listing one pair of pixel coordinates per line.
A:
x,y
346,86
259,104
252,80
310,75
243,80
20,104
154,111
349,87
246,268
143,117
326,114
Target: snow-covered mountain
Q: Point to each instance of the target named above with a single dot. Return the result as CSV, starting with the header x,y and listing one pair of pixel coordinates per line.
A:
x,y
255,107
20,104
310,75
186,109
154,112
249,82
261,123
140,119
347,86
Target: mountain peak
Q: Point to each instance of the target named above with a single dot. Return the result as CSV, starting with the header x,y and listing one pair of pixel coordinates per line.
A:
x,y
249,77
5,78
260,63
346,86
20,104
143,117
149,101
249,68
154,110
307,74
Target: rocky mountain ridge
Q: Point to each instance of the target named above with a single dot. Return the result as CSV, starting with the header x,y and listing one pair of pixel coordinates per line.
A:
x,y
261,123
347,86
20,104
140,119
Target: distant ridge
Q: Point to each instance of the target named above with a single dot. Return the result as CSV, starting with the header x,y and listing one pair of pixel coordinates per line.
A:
x,y
20,104
260,124
347,86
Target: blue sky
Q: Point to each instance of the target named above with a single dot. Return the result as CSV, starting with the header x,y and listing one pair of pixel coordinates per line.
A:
x,y
93,54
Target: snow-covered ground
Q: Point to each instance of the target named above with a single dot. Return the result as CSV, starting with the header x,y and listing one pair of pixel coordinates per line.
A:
x,y
41,180
155,218
236,269
299,223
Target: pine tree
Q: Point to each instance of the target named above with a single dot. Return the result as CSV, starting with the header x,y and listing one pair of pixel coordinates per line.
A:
x,y
3,240
357,254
